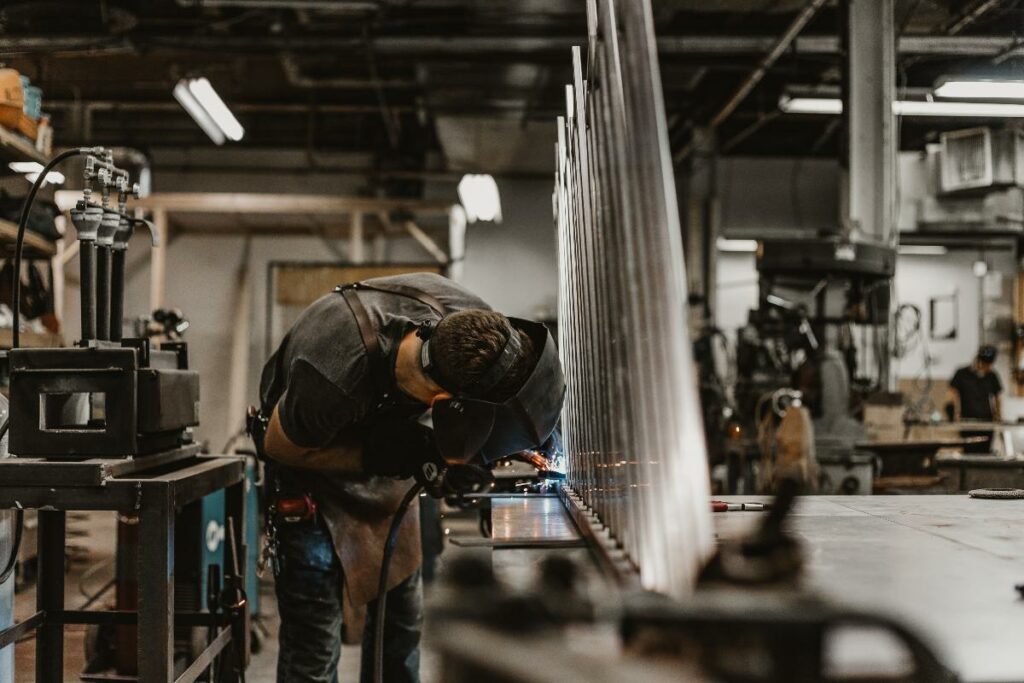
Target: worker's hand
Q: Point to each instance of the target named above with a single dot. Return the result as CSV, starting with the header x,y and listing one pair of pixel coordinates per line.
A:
x,y
441,479
399,448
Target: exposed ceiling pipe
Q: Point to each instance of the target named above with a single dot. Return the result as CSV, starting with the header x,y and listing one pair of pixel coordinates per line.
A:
x,y
436,48
799,22
969,16
750,82
322,5
259,107
296,78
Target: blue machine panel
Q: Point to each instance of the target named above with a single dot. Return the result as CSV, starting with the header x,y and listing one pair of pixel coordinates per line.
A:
x,y
214,534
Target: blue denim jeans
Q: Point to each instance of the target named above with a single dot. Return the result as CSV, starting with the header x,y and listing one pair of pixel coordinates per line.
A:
x,y
309,602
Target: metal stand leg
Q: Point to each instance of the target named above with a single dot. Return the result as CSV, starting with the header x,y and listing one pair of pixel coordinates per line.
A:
x,y
234,510
50,597
156,585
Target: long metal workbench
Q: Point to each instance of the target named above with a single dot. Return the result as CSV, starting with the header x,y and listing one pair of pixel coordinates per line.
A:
x,y
945,565
152,487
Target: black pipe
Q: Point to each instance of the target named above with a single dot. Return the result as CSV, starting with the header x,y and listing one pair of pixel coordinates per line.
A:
x,y
87,259
102,291
117,272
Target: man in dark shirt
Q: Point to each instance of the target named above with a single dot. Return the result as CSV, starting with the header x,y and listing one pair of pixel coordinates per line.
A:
x,y
975,395
344,425
975,389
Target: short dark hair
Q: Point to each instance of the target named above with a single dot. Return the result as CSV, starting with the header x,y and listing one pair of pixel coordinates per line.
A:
x,y
466,343
987,354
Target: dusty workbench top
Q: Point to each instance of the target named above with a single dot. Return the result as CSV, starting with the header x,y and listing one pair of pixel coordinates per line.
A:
x,y
946,565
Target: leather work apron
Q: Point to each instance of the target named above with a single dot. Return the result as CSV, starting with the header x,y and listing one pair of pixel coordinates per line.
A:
x,y
358,509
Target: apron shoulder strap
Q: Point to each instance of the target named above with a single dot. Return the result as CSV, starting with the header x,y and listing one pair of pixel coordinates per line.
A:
x,y
367,328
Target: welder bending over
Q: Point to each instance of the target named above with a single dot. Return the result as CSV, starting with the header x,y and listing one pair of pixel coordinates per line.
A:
x,y
344,396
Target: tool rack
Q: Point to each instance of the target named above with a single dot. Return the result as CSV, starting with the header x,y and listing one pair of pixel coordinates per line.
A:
x,y
153,487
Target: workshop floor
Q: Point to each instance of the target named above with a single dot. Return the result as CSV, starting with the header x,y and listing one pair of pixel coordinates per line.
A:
x,y
90,566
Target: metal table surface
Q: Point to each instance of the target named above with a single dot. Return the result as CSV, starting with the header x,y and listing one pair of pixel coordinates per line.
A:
x,y
542,518
946,565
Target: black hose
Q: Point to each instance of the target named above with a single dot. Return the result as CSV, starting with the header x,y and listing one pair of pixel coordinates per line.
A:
x,y
19,521
382,590
19,245
12,561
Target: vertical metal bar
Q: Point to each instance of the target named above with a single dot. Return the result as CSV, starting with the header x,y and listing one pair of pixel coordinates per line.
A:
x,y
156,584
50,597
87,265
117,273
103,275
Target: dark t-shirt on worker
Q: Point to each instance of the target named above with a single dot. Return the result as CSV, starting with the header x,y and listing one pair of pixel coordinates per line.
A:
x,y
976,392
319,378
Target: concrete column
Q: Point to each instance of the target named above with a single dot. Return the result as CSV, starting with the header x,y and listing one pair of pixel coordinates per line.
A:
x,y
870,185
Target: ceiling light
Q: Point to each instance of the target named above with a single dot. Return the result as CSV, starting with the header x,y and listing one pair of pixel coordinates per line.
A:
x,y
208,110
736,246
923,250
215,107
32,169
478,194
833,106
982,90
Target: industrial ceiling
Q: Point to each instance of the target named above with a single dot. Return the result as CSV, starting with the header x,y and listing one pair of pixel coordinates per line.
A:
x,y
424,88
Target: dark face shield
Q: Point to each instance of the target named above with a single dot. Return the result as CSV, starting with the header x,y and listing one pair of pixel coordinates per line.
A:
x,y
465,427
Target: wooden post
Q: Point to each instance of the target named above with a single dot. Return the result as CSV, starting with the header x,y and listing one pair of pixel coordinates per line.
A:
x,y
357,245
158,263
241,330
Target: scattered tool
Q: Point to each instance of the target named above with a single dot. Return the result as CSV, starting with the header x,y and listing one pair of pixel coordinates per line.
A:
x,y
722,506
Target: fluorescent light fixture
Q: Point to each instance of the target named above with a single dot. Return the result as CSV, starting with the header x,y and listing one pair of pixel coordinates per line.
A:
x,y
478,194
923,250
834,106
736,246
215,107
32,169
208,110
811,105
981,90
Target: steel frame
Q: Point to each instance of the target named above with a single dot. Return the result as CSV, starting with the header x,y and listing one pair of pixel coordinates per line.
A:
x,y
154,493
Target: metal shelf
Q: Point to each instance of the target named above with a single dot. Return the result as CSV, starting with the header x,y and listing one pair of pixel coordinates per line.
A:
x,y
35,246
30,339
13,147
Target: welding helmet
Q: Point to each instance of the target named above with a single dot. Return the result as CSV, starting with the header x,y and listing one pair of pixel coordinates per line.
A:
x,y
466,426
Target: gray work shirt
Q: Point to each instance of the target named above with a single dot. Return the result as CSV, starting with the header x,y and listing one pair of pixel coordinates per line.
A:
x,y
320,377
323,384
